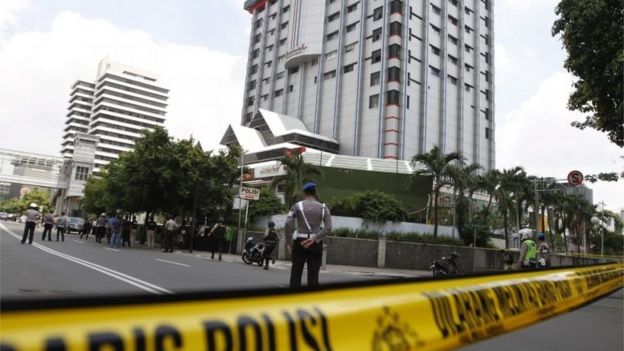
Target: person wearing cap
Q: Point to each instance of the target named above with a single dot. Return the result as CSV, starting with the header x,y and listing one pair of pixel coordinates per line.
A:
x,y
216,238
307,224
31,221
528,250
100,228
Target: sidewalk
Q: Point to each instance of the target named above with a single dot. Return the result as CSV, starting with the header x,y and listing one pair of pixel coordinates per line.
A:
x,y
330,268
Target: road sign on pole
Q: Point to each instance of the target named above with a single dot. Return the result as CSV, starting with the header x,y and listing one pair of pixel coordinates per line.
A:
x,y
575,178
249,194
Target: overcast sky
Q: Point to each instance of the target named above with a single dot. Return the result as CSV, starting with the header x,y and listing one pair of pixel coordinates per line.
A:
x,y
199,49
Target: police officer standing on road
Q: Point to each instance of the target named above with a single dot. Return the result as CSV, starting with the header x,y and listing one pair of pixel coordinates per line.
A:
x,y
170,228
32,215
100,228
48,224
305,241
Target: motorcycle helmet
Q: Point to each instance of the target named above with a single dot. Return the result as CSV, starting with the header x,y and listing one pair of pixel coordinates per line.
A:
x,y
541,236
32,205
525,234
271,224
250,239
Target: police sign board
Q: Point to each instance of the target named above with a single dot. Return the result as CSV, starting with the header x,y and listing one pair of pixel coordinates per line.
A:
x,y
575,178
249,193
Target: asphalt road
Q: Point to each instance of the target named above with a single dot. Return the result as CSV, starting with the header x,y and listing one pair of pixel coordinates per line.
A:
x,y
83,267
80,267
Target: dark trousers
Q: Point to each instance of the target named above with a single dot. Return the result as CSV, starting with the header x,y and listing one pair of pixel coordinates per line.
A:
x,y
85,231
312,256
217,246
125,238
99,233
47,229
29,231
268,250
60,232
168,241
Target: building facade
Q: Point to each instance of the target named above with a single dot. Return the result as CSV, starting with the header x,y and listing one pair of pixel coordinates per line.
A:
x,y
116,107
385,78
21,172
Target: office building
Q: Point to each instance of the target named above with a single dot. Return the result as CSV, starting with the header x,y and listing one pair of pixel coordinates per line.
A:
x,y
384,78
116,107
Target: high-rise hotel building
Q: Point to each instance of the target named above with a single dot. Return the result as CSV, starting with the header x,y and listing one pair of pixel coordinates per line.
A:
x,y
385,78
116,107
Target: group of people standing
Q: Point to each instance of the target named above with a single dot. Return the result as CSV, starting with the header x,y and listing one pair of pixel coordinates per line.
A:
x,y
50,220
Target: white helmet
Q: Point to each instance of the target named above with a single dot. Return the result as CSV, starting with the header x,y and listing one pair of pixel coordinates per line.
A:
x,y
103,214
33,205
525,233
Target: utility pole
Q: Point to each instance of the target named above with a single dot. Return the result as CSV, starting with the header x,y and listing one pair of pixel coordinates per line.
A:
x,y
536,205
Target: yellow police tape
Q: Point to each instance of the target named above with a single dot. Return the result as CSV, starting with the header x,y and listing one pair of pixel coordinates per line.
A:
x,y
430,315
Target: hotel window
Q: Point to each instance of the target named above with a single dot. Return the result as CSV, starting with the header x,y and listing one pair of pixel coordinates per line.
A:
x,y
468,87
250,101
435,9
282,41
452,20
255,53
258,23
329,75
268,64
286,9
374,79
468,67
351,27
82,173
376,56
434,71
332,36
352,8
394,74
395,28
350,47
291,88
394,51
468,29
378,13
453,59
453,2
251,85
284,25
330,55
373,101
453,80
435,28
333,17
394,98
376,34
434,50
348,68
279,92
468,48
293,70
279,76
253,69
265,97
396,6
487,132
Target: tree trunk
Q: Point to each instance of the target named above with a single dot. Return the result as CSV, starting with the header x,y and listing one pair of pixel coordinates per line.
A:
x,y
565,237
435,213
487,209
506,231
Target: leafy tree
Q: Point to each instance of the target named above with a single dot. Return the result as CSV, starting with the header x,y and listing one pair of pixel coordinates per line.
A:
x,y
11,206
377,206
268,204
40,197
510,183
435,164
489,183
96,199
297,173
591,32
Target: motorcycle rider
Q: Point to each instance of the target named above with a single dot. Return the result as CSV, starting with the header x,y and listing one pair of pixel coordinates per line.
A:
x,y
270,242
528,250
543,251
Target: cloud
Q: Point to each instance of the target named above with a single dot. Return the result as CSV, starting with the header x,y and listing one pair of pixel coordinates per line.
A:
x,y
38,68
9,10
538,136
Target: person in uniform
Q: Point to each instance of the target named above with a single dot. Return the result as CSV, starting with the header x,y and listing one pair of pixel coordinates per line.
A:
x,y
48,224
32,215
528,250
216,238
100,228
61,225
170,228
307,224
271,239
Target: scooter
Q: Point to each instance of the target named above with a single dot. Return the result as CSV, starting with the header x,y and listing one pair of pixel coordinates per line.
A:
x,y
445,267
253,253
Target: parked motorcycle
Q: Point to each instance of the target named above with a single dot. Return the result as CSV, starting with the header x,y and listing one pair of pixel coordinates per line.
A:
x,y
445,267
253,253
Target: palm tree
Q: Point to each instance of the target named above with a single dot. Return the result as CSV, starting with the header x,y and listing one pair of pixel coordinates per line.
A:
x,y
464,181
510,183
435,164
297,173
489,182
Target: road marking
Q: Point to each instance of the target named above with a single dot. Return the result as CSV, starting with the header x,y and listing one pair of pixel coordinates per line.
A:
x,y
141,284
111,249
79,242
179,264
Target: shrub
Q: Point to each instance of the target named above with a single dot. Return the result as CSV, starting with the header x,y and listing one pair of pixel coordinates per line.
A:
x,y
268,204
394,236
374,206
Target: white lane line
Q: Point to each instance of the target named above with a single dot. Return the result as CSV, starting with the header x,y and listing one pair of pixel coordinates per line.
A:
x,y
111,249
79,242
141,284
166,261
